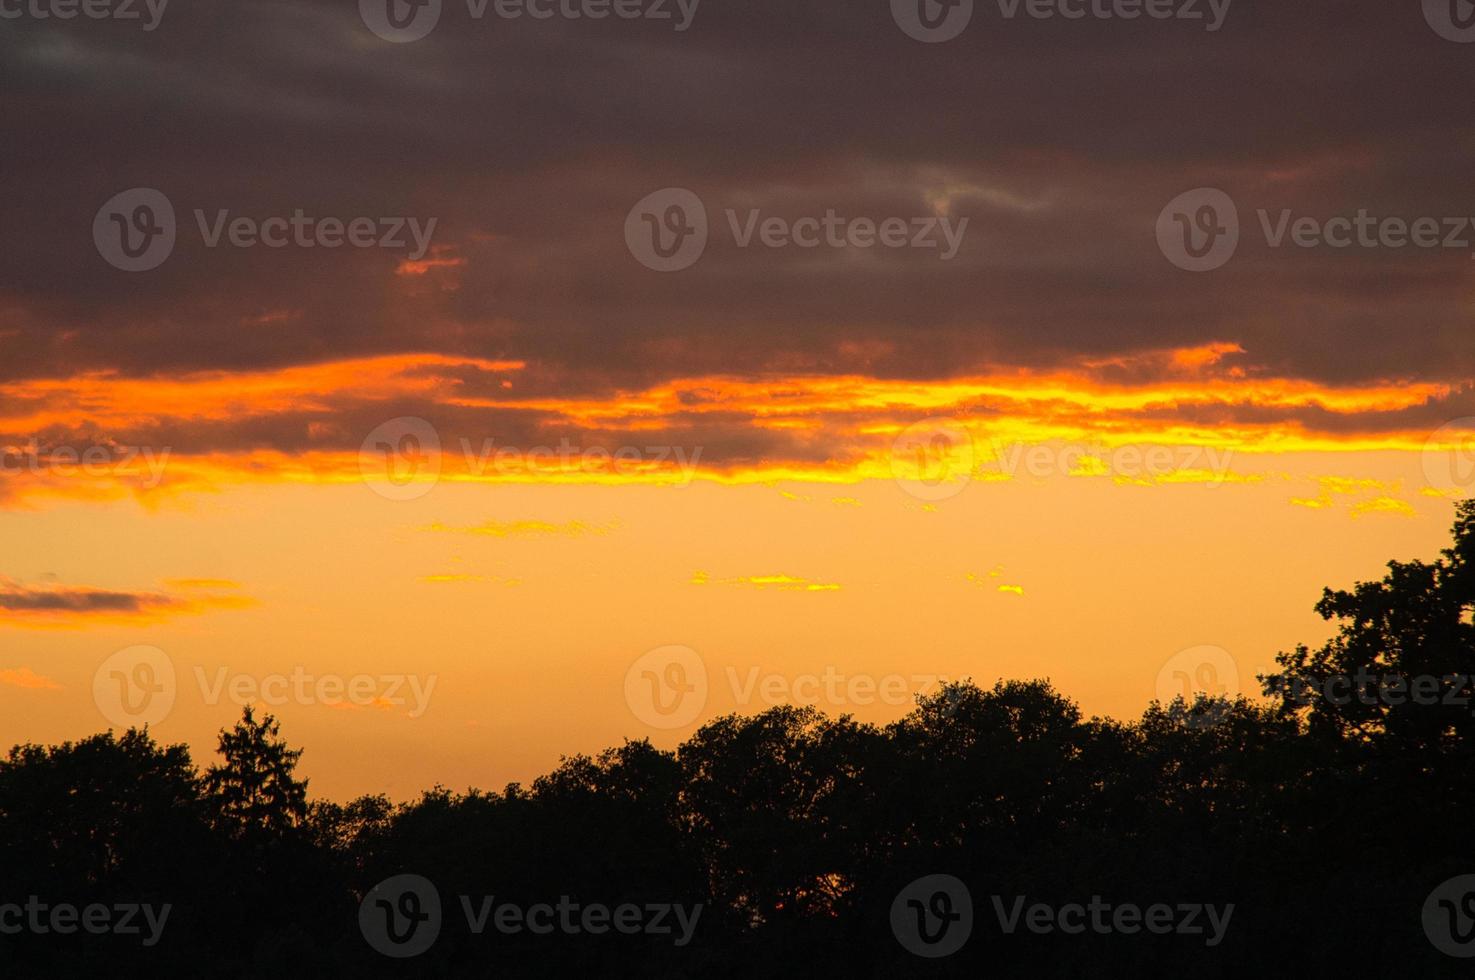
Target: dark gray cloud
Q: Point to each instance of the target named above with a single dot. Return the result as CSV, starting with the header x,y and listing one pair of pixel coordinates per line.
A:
x,y
529,142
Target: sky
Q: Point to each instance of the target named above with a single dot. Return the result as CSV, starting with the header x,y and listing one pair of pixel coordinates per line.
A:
x,y
495,388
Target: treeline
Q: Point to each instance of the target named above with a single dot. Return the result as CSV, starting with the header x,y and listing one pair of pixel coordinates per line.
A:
x,y
1325,821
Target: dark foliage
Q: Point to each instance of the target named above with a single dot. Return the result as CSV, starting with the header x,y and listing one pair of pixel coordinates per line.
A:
x,y
1325,822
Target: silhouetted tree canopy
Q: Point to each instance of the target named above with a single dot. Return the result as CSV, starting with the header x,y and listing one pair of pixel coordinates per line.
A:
x,y
1325,819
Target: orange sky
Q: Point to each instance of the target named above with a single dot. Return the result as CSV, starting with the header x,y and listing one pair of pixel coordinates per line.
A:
x,y
467,618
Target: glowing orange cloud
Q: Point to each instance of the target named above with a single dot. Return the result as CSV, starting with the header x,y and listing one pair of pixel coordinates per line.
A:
x,y
833,429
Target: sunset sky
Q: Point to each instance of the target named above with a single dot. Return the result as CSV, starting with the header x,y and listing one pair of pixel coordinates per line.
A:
x,y
507,469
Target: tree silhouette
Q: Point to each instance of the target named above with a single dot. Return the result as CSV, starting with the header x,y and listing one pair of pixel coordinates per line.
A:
x,y
1326,821
254,789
